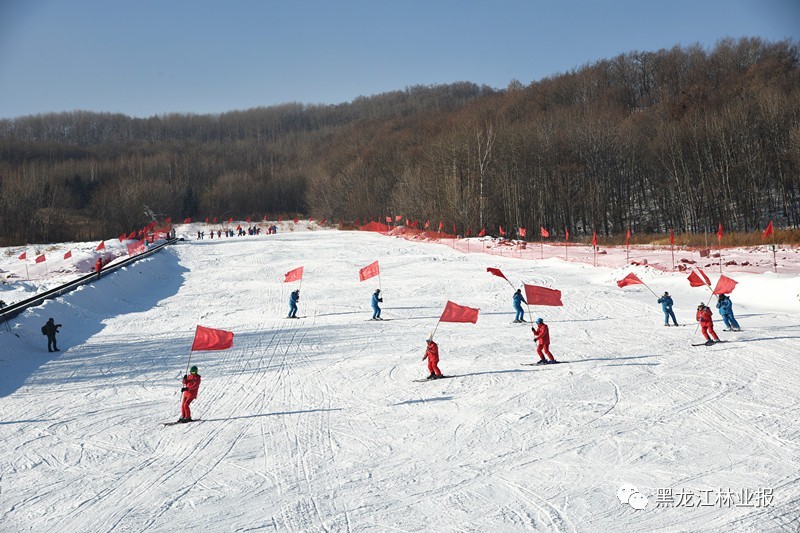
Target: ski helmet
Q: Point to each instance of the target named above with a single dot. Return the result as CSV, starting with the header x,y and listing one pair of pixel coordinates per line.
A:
x,y
193,370
539,321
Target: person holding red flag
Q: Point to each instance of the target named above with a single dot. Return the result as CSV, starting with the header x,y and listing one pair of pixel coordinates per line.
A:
x,y
541,334
376,309
706,323
725,307
666,306
432,355
191,384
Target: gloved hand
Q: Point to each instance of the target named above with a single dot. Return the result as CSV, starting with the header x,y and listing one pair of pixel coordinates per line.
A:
x,y
185,376
184,389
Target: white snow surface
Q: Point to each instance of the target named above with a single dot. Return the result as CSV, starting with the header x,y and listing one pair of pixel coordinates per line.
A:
x,y
317,424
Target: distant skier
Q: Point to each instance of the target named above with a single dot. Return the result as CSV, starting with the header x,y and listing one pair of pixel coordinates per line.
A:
x,y
666,306
293,299
50,329
706,323
518,301
432,355
725,307
191,384
98,266
541,334
376,310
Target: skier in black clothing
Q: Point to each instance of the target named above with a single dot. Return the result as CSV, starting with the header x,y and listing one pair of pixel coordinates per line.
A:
x,y
50,329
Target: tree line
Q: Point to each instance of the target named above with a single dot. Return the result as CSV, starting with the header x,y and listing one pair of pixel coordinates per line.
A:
x,y
683,138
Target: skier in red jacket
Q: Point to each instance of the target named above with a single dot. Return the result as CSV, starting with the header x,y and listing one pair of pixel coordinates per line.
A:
x,y
432,355
706,323
191,384
541,334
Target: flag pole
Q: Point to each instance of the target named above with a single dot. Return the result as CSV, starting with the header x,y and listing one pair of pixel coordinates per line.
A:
x,y
434,329
774,257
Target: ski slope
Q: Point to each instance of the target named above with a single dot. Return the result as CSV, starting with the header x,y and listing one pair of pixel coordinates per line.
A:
x,y
317,425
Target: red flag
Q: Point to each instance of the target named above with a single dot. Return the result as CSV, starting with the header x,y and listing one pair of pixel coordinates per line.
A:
x,y
398,218
502,233
719,232
767,232
230,220
455,231
388,220
671,236
369,271
536,295
187,220
496,272
441,225
703,275
168,220
545,233
458,313
725,285
280,219
566,231
248,219
322,221
41,258
469,230
427,224
212,339
630,279
23,256
122,237
293,275
206,220
594,239
68,254
238,227
136,247
482,233
132,235
523,232
310,219
215,220
628,237
101,246
695,280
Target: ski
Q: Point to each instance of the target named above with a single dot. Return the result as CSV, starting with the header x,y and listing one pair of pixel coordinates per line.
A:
x,y
708,344
295,317
437,379
176,423
544,364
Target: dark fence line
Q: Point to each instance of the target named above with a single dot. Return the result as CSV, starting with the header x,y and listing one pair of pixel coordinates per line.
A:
x,y
15,309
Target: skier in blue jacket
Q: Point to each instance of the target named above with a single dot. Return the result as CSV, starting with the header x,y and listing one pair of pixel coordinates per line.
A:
x,y
725,307
293,299
666,306
518,301
376,310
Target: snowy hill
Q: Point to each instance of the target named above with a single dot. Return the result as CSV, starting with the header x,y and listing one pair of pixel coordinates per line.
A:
x,y
317,424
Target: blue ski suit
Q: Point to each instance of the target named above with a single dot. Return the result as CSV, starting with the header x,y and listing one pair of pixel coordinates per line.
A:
x,y
518,301
666,306
725,307
293,298
376,310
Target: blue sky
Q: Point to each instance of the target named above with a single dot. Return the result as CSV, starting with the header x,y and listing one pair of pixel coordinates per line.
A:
x,y
151,57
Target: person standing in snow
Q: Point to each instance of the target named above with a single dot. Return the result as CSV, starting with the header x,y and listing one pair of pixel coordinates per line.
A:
x,y
725,307
541,334
518,301
293,299
432,355
191,384
50,329
666,306
706,323
376,309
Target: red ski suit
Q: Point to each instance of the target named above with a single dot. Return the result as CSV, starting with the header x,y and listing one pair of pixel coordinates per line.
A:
x,y
432,355
542,337
191,382
706,323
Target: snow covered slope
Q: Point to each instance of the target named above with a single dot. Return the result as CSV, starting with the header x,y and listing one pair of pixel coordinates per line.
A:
x,y
317,425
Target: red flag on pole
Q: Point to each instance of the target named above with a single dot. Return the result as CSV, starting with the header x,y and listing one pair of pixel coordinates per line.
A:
x,y
398,218
206,220
545,233
248,219
630,279
187,220
294,275
41,258
441,225
725,285
427,224
566,232
594,239
703,275
719,232
369,271
132,235
68,254
496,272
168,220
23,256
211,339
101,246
502,233
542,296
671,236
215,220
459,313
695,280
628,237
388,220
455,231
767,232
482,232
523,232
122,237
136,247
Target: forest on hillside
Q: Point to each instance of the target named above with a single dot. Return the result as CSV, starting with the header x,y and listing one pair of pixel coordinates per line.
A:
x,y
684,138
